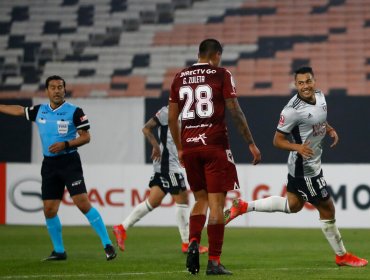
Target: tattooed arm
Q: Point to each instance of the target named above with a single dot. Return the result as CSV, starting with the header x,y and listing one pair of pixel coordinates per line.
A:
x,y
241,123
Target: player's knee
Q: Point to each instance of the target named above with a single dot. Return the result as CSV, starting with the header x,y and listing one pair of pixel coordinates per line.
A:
x,y
181,199
214,220
155,204
326,210
50,212
84,208
295,207
83,205
295,203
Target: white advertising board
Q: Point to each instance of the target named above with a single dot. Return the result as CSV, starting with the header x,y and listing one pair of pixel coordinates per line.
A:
x,y
116,189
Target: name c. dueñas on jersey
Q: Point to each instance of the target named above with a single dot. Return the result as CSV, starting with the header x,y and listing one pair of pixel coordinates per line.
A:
x,y
200,91
169,162
57,125
305,121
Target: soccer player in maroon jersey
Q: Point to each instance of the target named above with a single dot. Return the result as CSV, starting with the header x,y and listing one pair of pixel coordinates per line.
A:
x,y
200,94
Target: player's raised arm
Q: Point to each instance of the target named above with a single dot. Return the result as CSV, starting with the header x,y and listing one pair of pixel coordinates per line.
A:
x,y
13,110
241,123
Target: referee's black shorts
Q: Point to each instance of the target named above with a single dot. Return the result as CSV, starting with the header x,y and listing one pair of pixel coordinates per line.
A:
x,y
59,172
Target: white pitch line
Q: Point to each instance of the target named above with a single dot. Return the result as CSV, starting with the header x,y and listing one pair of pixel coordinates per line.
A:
x,y
289,268
85,275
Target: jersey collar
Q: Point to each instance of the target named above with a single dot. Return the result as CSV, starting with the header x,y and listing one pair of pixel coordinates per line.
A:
x,y
57,108
203,63
304,100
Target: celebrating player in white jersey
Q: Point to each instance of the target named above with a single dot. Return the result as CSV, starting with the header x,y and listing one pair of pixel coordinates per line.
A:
x,y
304,119
167,178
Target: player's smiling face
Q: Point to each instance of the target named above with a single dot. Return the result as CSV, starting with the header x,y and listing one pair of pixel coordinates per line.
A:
x,y
56,92
305,84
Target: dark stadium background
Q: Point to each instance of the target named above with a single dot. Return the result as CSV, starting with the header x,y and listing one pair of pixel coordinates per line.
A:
x,y
264,42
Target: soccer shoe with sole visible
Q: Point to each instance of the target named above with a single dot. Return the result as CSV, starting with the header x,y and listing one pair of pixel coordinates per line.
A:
x,y
202,249
350,260
192,260
214,268
54,256
120,234
110,252
239,207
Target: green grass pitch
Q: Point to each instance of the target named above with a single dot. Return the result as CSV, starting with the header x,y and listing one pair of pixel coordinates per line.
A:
x,y
154,253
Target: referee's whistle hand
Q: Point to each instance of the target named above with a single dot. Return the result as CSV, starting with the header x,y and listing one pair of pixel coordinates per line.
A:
x,y
57,147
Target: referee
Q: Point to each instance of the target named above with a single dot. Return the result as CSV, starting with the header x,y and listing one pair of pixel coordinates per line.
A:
x,y
59,122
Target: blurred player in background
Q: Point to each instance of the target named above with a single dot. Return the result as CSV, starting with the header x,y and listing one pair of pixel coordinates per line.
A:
x,y
200,94
167,178
304,119
58,123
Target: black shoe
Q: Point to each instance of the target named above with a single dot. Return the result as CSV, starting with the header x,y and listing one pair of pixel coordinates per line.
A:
x,y
54,256
192,261
213,268
110,252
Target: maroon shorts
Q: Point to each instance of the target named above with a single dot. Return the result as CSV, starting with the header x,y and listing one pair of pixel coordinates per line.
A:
x,y
212,170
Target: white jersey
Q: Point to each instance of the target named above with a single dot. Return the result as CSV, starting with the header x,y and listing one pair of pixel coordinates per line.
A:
x,y
169,162
305,121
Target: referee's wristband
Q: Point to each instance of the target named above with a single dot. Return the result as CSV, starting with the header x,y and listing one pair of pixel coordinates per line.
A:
x,y
66,144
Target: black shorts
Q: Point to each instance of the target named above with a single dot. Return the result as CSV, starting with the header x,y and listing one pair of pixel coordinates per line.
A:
x,y
311,189
60,172
171,183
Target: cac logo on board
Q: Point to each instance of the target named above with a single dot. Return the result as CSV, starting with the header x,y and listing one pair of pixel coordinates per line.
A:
x,y
25,195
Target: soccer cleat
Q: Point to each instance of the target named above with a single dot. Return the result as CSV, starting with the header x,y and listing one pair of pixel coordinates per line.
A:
x,y
215,268
184,247
54,256
192,260
120,234
239,207
110,252
202,249
350,260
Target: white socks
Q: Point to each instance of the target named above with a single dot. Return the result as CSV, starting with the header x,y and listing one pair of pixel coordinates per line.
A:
x,y
182,219
139,211
269,204
280,204
332,234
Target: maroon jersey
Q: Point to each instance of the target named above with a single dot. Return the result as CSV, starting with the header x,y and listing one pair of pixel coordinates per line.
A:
x,y
200,91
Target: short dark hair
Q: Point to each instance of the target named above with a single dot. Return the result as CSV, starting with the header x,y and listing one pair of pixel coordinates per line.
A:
x,y
209,47
54,77
303,70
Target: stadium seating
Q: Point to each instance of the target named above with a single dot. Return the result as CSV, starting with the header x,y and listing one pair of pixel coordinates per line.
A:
x,y
106,48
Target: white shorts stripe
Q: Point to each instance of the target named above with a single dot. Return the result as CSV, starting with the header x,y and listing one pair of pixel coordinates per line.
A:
x,y
173,179
310,186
